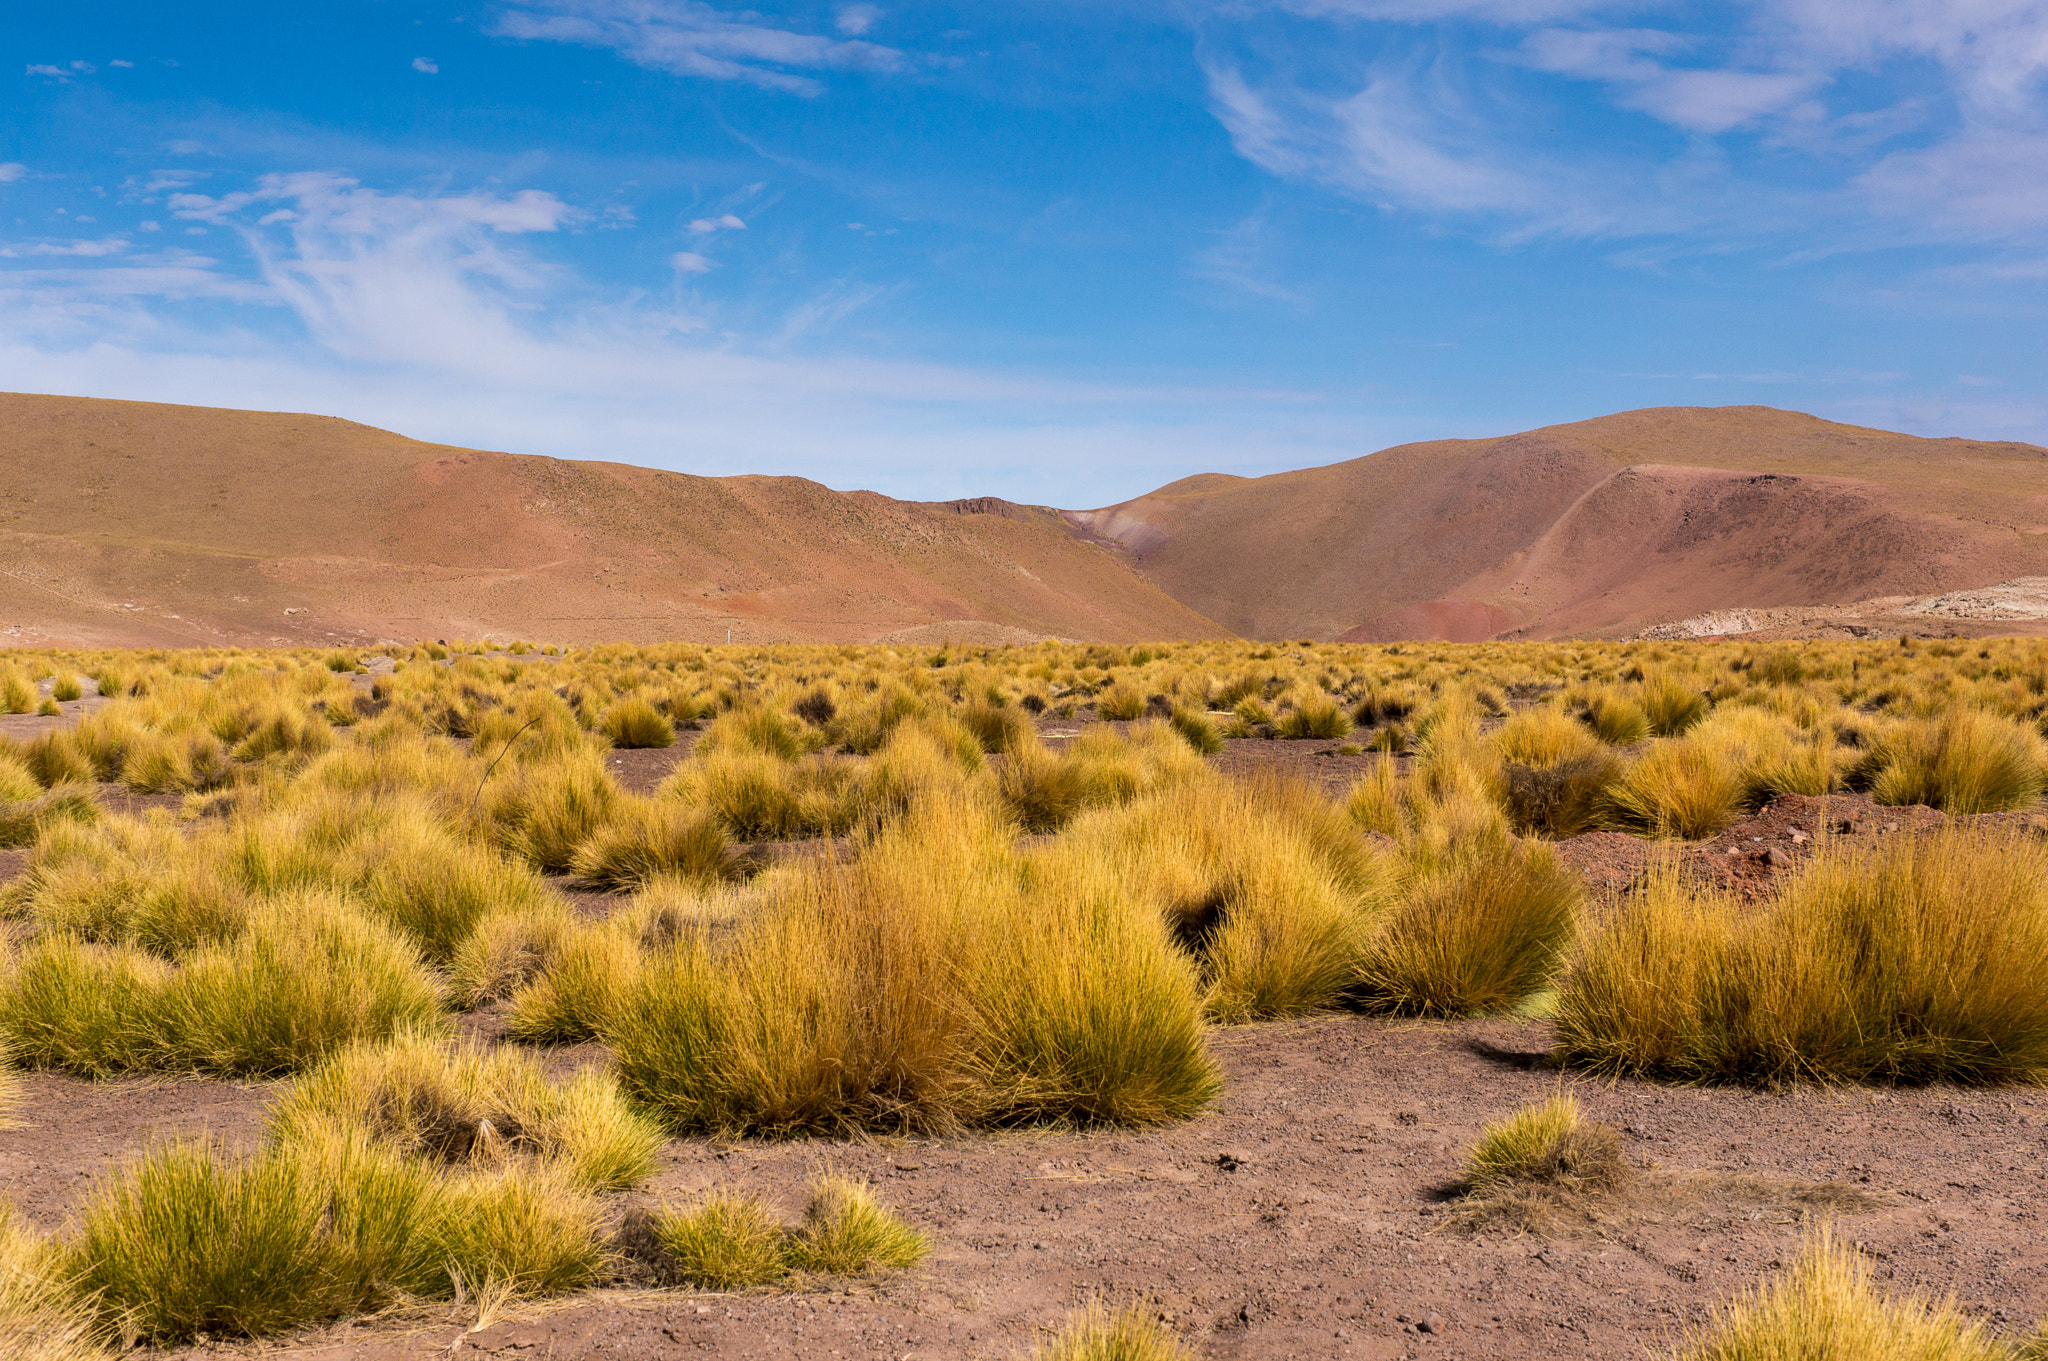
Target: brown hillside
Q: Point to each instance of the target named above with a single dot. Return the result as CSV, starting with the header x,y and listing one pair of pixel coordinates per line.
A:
x,y
134,522
1597,526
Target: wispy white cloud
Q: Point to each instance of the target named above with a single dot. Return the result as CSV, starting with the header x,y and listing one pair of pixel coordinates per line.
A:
x,y
704,226
426,66
854,20
689,262
11,171
1908,120
112,245
694,39
434,314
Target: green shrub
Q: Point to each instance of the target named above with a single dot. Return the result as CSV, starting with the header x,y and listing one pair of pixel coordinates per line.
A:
x,y
729,1241
846,1231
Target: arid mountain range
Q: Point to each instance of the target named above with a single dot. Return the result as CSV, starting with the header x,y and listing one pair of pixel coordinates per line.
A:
x,y
131,522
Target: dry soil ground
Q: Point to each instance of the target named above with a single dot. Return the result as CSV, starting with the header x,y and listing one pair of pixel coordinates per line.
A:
x,y
1309,1215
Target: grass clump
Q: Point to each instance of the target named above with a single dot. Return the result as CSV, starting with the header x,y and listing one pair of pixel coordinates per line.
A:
x,y
634,722
550,808
1098,1333
191,1241
1827,1305
523,1230
1687,788
1318,716
83,1008
1917,961
423,1098
308,977
1967,762
1481,927
1549,1143
651,839
846,1231
40,1316
1615,719
1198,730
729,1241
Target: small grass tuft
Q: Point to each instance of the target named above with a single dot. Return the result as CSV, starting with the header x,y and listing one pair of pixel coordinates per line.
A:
x,y
1550,1143
846,1230
1098,1333
728,1241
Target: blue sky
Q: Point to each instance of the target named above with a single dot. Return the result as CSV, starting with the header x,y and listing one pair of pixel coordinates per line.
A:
x,y
1057,252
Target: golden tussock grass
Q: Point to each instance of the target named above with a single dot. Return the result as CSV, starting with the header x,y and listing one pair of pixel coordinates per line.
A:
x,y
1548,1143
41,1318
648,839
1482,925
1827,1304
1914,961
423,1097
1096,1332
728,1240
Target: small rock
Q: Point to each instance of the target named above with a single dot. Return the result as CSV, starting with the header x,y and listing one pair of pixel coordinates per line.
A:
x,y
1798,837
1233,1158
1434,1324
909,1167
1775,858
1891,826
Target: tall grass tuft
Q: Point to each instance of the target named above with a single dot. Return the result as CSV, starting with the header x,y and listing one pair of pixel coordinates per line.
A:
x,y
548,809
191,1241
1966,762
1480,928
522,1229
40,1316
633,722
1917,961
1826,1304
83,1008
1687,787
423,1098
652,839
1318,716
309,976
